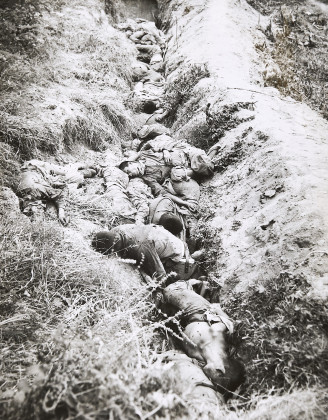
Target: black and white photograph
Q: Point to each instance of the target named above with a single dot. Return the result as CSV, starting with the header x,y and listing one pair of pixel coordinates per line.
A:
x,y
164,209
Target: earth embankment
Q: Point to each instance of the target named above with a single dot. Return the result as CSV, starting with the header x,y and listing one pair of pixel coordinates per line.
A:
x,y
267,202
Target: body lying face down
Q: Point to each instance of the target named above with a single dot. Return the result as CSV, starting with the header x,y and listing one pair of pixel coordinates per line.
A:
x,y
204,333
151,246
187,375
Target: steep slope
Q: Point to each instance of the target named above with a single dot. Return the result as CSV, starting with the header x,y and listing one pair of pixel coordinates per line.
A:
x,y
267,202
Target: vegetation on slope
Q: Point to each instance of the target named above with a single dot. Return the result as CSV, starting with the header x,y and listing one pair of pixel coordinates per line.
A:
x,y
297,42
65,73
281,330
76,333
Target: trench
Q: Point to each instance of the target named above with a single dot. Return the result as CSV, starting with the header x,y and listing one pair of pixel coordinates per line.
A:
x,y
144,9
151,105
240,222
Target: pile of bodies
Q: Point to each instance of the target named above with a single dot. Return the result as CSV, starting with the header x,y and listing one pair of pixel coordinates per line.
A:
x,y
148,72
165,250
156,191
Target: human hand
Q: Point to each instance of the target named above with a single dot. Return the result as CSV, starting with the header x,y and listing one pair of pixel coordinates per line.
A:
x,y
167,157
192,207
64,220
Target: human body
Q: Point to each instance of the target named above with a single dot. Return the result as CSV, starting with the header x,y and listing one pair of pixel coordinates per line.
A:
x,y
204,328
151,246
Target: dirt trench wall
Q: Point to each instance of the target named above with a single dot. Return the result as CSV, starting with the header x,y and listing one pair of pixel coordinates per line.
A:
x,y
269,197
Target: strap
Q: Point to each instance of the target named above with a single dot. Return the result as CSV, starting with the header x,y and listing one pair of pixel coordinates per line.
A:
x,y
187,257
207,385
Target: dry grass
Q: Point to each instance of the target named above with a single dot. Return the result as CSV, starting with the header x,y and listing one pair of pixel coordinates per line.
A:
x,y
180,89
283,332
268,6
307,404
79,333
65,80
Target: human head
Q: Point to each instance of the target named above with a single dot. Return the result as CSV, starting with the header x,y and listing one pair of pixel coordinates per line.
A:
x,y
106,242
131,168
171,222
149,107
235,375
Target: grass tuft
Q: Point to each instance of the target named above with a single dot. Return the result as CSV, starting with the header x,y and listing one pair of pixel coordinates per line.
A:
x,y
62,80
284,332
179,90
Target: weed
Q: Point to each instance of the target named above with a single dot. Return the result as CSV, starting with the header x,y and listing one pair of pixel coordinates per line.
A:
x,y
208,236
224,159
9,166
179,91
299,48
284,333
114,9
268,6
224,118
26,138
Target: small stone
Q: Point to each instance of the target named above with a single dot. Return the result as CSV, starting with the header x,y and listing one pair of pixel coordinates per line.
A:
x,y
269,193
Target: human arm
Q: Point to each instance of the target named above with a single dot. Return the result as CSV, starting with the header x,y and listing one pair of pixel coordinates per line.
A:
x,y
60,205
179,201
155,186
213,150
139,195
154,177
175,199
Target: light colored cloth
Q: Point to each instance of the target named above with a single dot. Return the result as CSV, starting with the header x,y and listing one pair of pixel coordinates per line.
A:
x,y
140,196
166,245
189,191
116,184
158,206
151,131
68,173
200,390
193,307
181,153
155,171
38,185
179,173
162,142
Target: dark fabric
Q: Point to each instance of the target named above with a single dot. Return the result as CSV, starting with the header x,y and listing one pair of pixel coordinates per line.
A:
x,y
148,259
185,270
154,177
159,206
104,242
191,305
128,247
